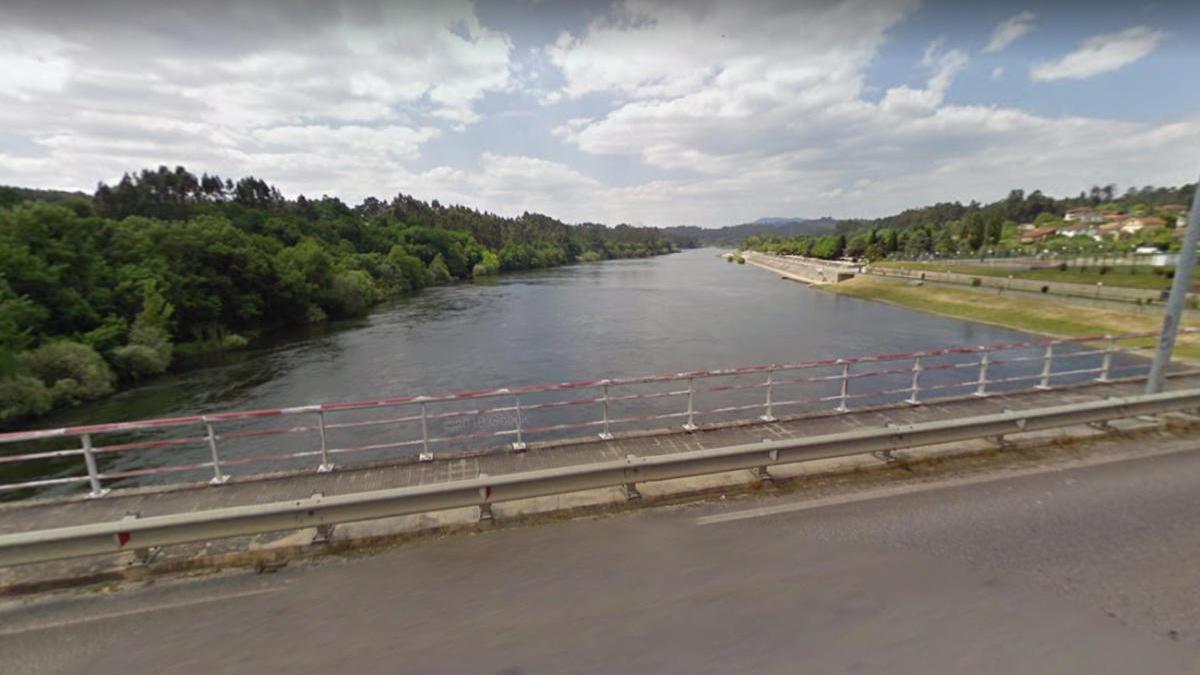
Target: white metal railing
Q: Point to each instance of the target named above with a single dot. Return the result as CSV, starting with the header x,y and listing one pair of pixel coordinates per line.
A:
x,y
483,491
417,425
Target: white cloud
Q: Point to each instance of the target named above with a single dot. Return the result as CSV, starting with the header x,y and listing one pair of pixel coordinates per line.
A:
x,y
234,88
1100,54
997,72
1010,30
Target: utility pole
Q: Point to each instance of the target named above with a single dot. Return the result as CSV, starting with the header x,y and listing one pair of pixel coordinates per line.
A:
x,y
1175,303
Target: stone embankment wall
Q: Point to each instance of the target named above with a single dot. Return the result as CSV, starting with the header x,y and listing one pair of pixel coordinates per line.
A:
x,y
808,270
1096,291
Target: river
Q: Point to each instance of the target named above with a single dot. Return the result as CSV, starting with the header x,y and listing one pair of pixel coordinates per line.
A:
x,y
685,311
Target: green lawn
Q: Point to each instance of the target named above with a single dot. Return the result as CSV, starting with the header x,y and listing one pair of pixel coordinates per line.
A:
x,y
1046,316
1129,276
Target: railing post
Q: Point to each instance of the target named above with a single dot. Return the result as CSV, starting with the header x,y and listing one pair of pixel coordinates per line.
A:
x,y
916,385
1106,365
218,477
1047,364
519,444
89,459
605,435
691,406
326,465
424,428
768,412
984,361
845,385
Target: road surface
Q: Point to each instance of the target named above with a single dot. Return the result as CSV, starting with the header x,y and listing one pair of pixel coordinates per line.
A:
x,y
1082,570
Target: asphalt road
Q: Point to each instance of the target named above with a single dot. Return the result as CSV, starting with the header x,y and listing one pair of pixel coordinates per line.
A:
x,y
1087,570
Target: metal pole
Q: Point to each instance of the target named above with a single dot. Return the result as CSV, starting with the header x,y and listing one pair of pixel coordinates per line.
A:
x,y
89,458
981,385
606,435
1047,364
916,371
1106,366
1175,302
691,409
520,443
767,415
845,386
218,477
424,429
326,465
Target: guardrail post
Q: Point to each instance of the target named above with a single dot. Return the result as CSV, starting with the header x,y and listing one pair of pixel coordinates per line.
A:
x,y
326,465
424,429
984,361
916,385
519,444
89,459
605,435
218,477
691,409
768,415
1106,365
1047,364
845,385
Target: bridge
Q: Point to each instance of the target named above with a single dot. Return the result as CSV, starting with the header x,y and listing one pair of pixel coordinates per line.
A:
x,y
245,487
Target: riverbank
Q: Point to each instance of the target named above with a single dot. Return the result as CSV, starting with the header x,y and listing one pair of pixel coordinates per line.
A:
x,y
1050,317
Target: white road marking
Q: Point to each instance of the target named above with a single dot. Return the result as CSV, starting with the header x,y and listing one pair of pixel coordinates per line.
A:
x,y
884,493
133,612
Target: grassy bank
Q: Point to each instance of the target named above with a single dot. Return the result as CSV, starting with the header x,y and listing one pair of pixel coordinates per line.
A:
x,y
1129,276
1045,316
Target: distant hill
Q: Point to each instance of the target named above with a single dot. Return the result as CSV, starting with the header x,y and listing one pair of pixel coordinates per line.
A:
x,y
11,196
690,235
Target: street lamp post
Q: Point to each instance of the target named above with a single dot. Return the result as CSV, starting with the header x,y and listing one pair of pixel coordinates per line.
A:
x,y
1175,303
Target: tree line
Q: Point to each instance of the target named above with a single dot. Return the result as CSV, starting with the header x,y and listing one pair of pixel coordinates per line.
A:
x,y
100,291
952,228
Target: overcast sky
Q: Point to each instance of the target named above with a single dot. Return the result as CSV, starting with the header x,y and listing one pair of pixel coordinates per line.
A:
x,y
648,112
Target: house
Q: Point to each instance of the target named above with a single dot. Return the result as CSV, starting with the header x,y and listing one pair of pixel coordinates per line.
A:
x,y
1173,208
1112,215
1136,224
1025,227
1083,214
1080,230
1038,234
1110,230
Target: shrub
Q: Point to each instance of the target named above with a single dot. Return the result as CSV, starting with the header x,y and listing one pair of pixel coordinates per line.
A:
x,y
75,372
352,293
1062,267
135,362
438,272
23,396
976,281
489,266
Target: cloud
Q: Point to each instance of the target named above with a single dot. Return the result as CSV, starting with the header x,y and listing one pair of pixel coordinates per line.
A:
x,y
1100,54
235,87
1010,30
997,72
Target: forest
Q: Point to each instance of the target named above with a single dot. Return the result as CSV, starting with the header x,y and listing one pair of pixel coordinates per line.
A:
x,y
101,291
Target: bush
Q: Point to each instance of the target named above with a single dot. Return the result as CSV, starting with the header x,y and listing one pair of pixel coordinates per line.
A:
x,y
75,372
490,265
23,396
1062,267
352,294
976,281
135,362
438,272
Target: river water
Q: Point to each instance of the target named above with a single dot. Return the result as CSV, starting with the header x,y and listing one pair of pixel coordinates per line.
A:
x,y
685,311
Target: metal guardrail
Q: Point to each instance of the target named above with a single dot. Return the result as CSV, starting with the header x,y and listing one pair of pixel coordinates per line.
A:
x,y
793,387
115,537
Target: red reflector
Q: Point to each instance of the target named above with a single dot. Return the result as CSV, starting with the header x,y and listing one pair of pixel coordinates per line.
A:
x,y
122,538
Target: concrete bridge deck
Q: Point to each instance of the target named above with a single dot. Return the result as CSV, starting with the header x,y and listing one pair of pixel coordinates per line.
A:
x,y
51,513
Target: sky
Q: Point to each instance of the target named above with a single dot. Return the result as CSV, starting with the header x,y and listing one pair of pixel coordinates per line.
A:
x,y
641,111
